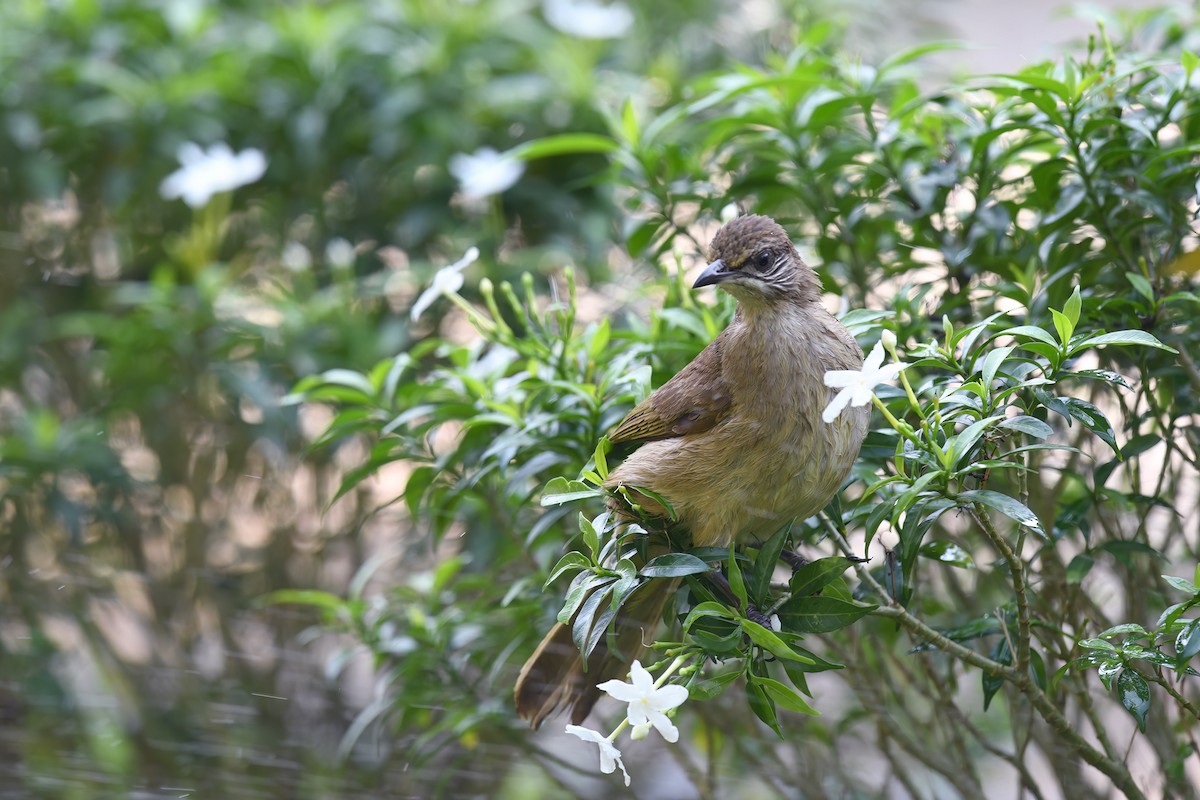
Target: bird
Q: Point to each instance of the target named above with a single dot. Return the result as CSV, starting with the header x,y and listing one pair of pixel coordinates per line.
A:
x,y
734,442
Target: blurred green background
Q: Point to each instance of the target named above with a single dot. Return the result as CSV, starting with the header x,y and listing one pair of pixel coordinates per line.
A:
x,y
153,485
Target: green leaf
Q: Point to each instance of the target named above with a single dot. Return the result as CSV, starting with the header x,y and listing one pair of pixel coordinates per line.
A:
x,y
1079,567
1031,426
786,697
764,565
736,583
563,144
1140,284
1187,642
1072,308
591,537
600,456
1120,337
1098,644
674,565
818,614
1033,332
1182,584
948,553
708,609
816,575
712,687
999,653
1093,419
992,363
571,561
1062,325
770,642
560,490
762,706
960,445
1134,694
1008,506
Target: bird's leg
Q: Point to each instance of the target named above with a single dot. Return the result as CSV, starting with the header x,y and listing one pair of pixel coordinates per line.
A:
x,y
719,580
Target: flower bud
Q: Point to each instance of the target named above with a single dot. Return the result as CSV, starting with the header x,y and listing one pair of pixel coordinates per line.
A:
x,y
640,732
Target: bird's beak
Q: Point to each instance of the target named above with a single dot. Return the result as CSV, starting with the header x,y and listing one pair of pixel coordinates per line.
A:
x,y
713,273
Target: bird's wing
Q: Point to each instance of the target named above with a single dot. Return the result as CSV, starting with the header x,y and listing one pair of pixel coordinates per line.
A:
x,y
696,399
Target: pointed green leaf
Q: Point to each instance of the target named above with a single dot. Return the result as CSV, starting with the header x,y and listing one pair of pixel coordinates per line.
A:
x,y
816,575
674,565
1121,337
770,642
786,697
764,565
1134,694
1008,506
818,614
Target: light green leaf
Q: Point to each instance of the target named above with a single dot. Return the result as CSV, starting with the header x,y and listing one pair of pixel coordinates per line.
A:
x,y
768,641
1120,337
786,697
1008,506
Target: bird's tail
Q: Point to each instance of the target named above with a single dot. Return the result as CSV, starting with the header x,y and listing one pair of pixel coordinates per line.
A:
x,y
554,677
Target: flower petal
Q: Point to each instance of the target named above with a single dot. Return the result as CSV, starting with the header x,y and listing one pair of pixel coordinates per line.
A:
x,y
837,404
424,302
620,690
874,359
641,678
662,723
668,697
841,378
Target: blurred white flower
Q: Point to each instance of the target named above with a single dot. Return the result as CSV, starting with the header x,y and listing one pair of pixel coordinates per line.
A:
x,y
648,703
447,280
485,172
339,253
296,257
610,756
858,386
730,212
203,175
588,19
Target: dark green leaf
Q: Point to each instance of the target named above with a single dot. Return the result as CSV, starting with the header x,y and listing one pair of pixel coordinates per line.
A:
x,y
762,706
770,642
764,565
1008,506
674,565
1134,694
709,688
786,697
948,553
816,575
1187,643
817,614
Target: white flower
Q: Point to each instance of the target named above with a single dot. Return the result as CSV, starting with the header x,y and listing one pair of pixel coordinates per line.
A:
x,y
858,386
647,702
588,19
446,281
485,173
203,175
296,257
339,253
610,756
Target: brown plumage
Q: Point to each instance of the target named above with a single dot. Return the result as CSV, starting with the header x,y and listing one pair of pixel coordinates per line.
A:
x,y
734,442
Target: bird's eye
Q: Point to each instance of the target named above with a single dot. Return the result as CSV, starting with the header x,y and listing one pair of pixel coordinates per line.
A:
x,y
763,260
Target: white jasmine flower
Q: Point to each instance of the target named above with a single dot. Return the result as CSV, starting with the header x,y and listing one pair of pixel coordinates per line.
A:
x,y
446,281
485,172
858,386
888,339
203,175
296,257
648,703
588,19
339,253
610,756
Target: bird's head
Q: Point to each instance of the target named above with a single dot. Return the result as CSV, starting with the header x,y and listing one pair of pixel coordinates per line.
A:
x,y
753,259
